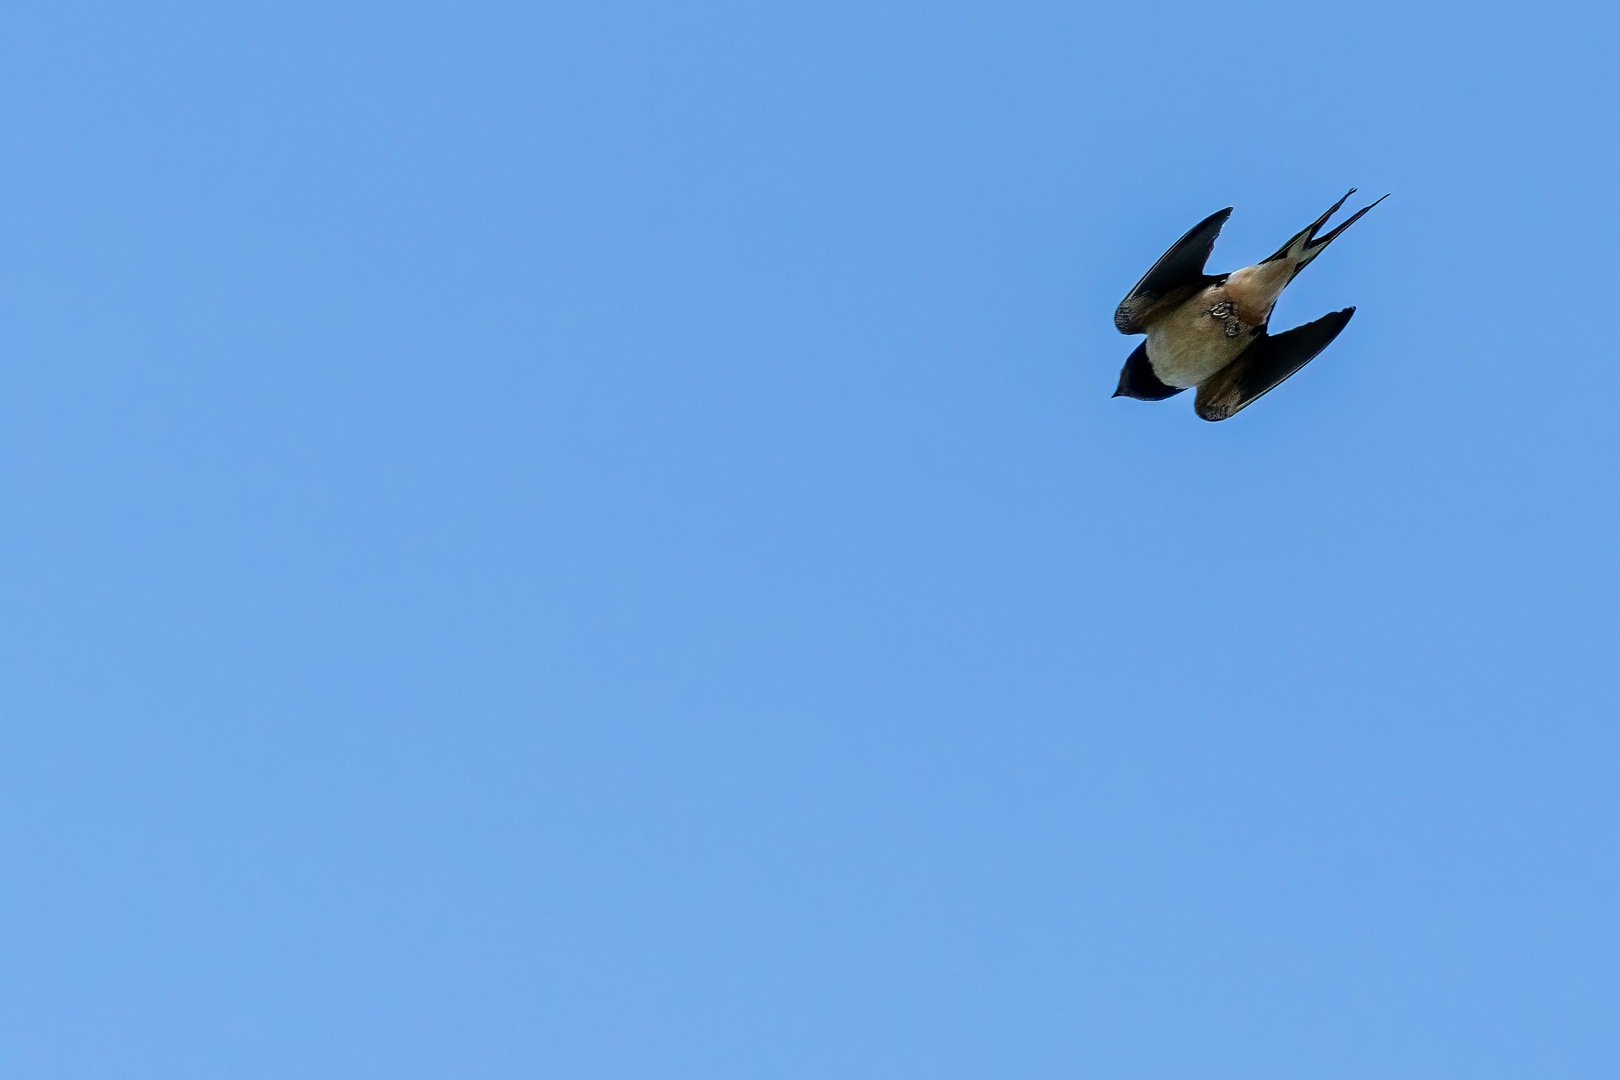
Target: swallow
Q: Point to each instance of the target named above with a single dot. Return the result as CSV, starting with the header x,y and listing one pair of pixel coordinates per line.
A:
x,y
1212,332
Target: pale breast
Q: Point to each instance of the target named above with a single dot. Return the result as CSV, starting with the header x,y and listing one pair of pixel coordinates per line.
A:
x,y
1197,339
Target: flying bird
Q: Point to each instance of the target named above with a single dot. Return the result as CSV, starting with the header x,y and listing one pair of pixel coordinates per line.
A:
x,y
1212,331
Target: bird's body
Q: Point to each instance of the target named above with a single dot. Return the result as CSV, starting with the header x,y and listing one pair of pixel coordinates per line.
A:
x,y
1212,332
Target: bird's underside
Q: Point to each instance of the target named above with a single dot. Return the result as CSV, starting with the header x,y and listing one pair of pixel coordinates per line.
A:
x,y
1211,332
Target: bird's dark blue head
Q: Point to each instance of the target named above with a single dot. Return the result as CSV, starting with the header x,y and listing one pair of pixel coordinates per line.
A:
x,y
1137,380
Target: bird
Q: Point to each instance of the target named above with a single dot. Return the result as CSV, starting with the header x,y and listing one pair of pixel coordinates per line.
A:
x,y
1212,331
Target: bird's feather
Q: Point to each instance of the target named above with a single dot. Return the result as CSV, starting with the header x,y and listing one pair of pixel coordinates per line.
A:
x,y
1178,268
1264,364
1304,245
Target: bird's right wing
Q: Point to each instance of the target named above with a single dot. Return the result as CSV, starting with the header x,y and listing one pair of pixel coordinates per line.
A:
x,y
1264,364
1181,266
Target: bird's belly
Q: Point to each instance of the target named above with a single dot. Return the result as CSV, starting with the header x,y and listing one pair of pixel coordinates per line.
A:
x,y
1187,349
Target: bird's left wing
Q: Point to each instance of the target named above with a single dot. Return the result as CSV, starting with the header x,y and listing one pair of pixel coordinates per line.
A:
x,y
1181,266
1264,364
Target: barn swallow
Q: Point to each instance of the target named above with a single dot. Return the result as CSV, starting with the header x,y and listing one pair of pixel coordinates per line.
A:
x,y
1210,332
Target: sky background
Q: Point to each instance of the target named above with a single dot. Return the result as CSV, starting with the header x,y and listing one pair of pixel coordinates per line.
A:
x,y
592,541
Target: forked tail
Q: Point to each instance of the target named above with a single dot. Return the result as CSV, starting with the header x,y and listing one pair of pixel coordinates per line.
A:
x,y
1305,245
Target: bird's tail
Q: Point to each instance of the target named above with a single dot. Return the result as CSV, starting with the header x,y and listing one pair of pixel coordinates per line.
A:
x,y
1305,245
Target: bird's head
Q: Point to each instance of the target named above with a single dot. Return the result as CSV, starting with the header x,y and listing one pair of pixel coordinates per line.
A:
x,y
1138,380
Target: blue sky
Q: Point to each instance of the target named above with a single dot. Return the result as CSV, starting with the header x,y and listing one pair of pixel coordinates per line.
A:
x,y
593,541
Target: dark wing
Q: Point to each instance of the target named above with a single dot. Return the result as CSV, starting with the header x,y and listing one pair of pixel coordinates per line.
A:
x,y
1182,265
1264,364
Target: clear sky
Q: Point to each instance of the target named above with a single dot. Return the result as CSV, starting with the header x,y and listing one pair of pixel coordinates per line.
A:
x,y
592,541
